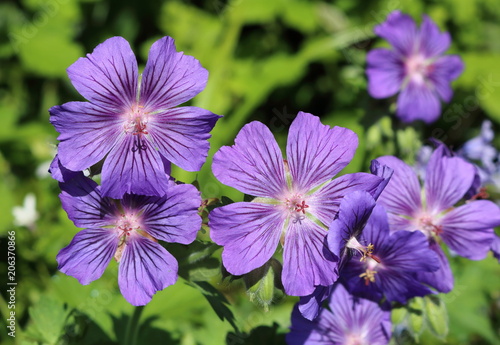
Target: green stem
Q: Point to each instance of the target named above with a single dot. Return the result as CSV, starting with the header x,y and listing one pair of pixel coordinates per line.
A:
x,y
132,330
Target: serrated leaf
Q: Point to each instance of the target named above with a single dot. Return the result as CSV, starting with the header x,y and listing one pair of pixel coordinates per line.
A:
x,y
48,318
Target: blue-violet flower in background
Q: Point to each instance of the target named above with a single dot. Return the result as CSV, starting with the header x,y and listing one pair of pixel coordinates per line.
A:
x,y
415,67
296,199
131,121
128,230
467,229
350,320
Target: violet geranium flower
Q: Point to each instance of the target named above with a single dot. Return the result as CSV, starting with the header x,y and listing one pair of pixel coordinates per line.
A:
x,y
296,200
350,320
467,229
416,67
387,264
128,230
130,120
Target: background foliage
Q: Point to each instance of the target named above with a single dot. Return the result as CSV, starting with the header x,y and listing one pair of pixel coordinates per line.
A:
x,y
267,60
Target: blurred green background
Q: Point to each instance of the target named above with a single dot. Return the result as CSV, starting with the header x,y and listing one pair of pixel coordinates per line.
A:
x,y
267,60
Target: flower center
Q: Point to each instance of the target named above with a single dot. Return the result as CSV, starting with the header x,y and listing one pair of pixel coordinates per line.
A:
x,y
369,274
425,223
417,68
137,121
126,224
296,206
354,339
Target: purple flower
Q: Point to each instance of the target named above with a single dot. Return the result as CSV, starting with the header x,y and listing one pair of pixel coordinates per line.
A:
x,y
296,199
466,229
386,264
415,67
127,230
481,150
130,120
350,320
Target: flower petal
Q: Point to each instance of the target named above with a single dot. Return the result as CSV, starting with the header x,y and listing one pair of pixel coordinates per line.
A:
x,y
60,173
385,71
432,42
88,133
170,78
254,164
402,194
108,76
88,254
310,306
418,101
250,233
145,268
408,251
181,134
316,152
495,247
173,218
447,179
355,209
444,70
133,166
468,229
81,199
442,279
400,31
307,261
382,171
324,203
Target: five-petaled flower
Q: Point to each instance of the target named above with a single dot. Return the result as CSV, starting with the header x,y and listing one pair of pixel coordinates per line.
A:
x,y
467,229
416,67
349,321
128,230
131,121
296,199
381,263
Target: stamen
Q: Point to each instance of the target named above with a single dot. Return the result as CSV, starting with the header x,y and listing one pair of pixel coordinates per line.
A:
x,y
301,207
367,252
369,276
482,194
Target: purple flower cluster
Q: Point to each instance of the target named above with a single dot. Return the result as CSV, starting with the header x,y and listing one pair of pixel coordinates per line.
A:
x,y
351,247
131,125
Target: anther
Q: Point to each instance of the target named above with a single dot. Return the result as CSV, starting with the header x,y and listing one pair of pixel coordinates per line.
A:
x,y
369,276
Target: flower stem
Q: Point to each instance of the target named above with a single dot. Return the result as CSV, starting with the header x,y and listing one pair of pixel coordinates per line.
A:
x,y
132,330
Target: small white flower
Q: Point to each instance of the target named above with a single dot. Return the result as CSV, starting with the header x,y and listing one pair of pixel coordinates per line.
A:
x,y
26,215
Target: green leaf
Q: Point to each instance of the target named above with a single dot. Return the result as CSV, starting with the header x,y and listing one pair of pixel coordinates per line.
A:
x,y
48,318
436,315
483,77
416,317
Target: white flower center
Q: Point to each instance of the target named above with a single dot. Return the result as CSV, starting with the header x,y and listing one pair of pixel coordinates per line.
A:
x,y
136,120
417,68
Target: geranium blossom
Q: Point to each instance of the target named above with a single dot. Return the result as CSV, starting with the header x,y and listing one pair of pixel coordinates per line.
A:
x,y
131,121
415,67
467,229
350,321
296,200
128,230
